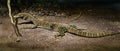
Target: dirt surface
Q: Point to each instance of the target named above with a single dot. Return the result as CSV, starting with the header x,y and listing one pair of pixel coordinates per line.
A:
x,y
39,39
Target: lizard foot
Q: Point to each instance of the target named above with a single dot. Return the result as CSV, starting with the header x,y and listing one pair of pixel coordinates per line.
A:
x,y
59,35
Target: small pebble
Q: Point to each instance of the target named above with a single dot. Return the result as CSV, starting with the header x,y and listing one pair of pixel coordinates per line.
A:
x,y
17,40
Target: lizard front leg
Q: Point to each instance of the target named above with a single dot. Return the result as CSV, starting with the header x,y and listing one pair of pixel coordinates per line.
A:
x,y
33,26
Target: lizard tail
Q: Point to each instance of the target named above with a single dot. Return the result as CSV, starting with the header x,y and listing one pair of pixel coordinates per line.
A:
x,y
90,35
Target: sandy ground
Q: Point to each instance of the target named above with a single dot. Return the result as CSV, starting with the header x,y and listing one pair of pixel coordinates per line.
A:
x,y
43,40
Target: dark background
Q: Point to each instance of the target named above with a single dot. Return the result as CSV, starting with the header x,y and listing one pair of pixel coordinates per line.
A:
x,y
47,3
62,4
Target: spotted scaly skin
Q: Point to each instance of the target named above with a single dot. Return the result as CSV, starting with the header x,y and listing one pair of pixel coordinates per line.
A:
x,y
60,27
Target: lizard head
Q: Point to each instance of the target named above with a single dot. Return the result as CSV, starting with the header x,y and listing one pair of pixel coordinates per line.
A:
x,y
20,15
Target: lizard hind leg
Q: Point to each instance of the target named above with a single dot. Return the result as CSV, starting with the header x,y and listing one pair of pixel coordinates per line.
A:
x,y
61,31
73,26
52,27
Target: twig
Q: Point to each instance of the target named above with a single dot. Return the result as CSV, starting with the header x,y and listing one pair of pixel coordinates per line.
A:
x,y
14,22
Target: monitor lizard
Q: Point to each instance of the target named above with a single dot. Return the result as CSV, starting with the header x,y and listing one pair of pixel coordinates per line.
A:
x,y
60,27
